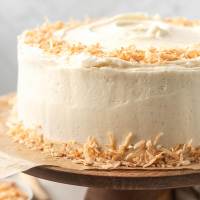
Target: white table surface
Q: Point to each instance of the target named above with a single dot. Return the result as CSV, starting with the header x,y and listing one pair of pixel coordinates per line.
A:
x,y
60,191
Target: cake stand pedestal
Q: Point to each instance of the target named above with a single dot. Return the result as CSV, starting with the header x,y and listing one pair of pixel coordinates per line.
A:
x,y
122,184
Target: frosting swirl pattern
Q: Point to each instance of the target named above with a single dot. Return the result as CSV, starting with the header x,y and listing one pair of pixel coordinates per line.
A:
x,y
127,30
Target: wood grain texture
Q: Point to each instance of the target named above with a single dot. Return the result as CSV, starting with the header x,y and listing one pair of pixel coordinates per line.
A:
x,y
102,194
120,179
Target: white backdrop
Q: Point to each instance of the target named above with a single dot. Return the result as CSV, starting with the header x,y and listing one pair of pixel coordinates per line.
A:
x,y
17,15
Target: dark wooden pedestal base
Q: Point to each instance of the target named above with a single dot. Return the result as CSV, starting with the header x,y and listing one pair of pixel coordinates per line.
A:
x,y
102,194
188,193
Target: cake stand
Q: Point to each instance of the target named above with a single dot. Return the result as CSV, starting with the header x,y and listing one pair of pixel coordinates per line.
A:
x,y
118,184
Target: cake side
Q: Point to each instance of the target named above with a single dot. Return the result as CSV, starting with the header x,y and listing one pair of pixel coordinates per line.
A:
x,y
76,103
72,90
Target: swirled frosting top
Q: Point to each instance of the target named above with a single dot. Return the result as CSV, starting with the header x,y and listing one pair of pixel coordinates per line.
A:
x,y
128,30
136,38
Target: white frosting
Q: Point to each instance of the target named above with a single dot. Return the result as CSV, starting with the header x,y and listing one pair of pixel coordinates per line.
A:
x,y
133,30
70,98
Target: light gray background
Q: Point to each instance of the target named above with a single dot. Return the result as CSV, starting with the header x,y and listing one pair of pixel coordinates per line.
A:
x,y
17,15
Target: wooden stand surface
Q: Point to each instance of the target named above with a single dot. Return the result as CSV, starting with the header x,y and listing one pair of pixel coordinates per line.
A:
x,y
126,184
120,179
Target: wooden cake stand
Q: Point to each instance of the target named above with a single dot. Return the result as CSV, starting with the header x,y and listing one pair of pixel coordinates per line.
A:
x,y
122,184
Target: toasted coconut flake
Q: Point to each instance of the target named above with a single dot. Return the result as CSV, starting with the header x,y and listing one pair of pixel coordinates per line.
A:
x,y
140,145
157,138
141,154
126,142
10,190
112,141
43,37
130,156
181,21
152,161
